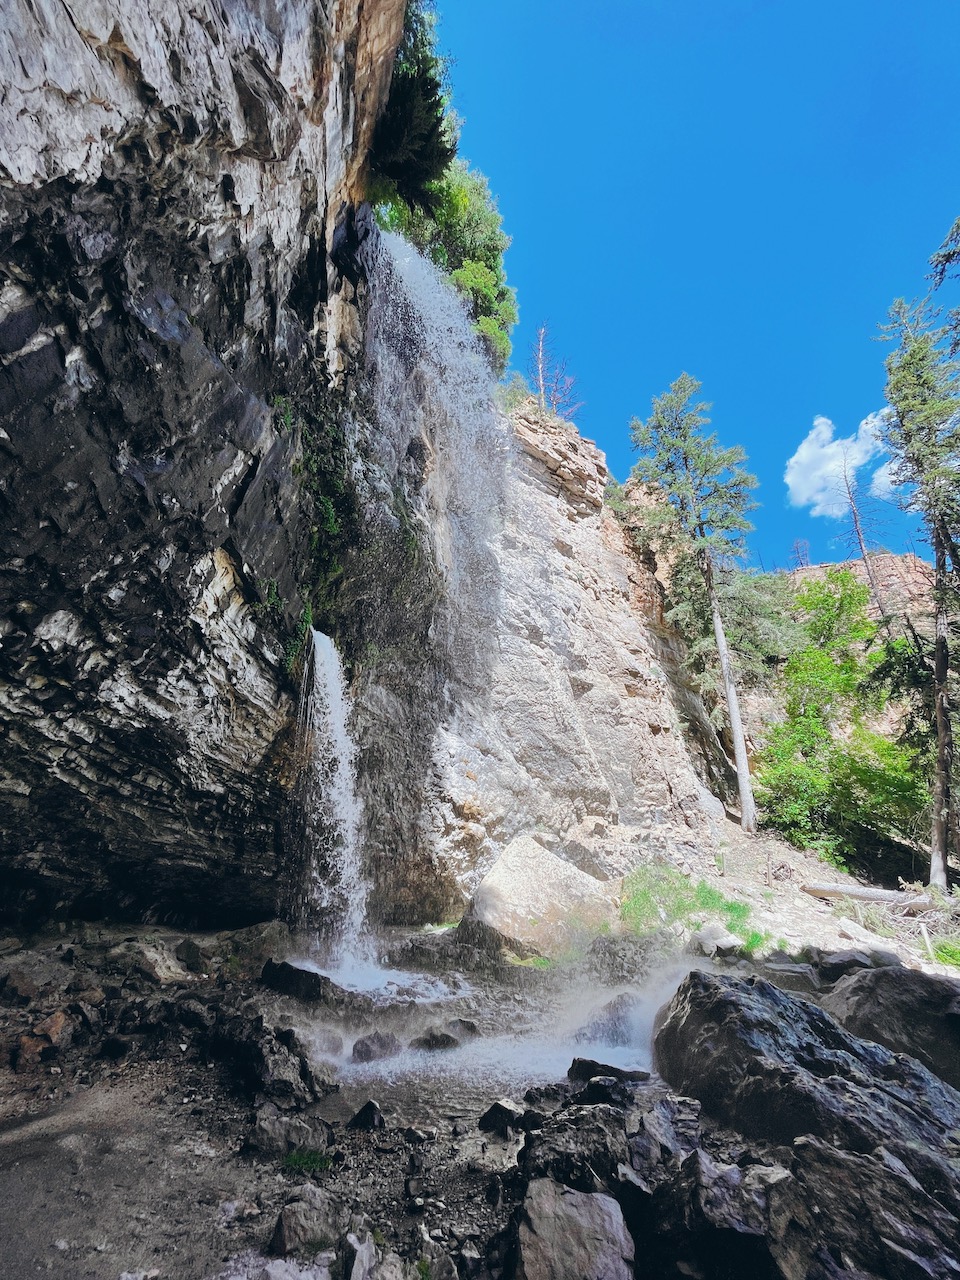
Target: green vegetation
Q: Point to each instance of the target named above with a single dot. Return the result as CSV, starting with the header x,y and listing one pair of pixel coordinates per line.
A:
x,y
826,781
699,499
413,142
657,896
422,190
306,1161
947,951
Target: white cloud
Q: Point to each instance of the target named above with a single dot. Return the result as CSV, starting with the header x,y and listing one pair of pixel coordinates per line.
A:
x,y
814,474
882,483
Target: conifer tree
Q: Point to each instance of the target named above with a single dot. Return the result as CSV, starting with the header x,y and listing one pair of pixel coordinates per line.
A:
x,y
922,433
707,492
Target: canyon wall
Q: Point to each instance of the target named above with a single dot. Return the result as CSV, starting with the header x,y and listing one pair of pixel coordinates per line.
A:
x,y
228,410
172,181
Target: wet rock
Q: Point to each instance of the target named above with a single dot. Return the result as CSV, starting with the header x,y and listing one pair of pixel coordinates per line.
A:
x,y
463,1028
501,1117
875,1167
368,1118
8,946
833,965
907,1011
565,1233
377,1045
580,1146
435,1039
152,962
668,1132
311,1219
586,1068
615,959
606,1089
247,950
302,984
615,1024
792,976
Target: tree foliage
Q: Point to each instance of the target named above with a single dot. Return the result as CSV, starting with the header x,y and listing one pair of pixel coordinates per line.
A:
x,y
412,142
700,508
826,779
461,230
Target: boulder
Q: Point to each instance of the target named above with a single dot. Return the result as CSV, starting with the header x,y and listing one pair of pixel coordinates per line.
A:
x,y
581,1147
434,1039
501,1117
614,1024
906,1010
368,1118
866,1137
377,1045
538,903
564,1234
312,1219
150,960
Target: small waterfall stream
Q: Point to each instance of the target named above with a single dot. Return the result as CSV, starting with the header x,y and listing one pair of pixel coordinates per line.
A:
x,y
335,900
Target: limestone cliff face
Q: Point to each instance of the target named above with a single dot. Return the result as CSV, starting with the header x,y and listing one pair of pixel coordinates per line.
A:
x,y
578,740
173,178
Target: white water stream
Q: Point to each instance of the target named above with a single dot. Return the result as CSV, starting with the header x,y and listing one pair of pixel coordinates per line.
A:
x,y
336,889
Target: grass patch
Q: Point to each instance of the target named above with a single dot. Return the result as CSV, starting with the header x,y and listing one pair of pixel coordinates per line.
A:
x,y
947,951
657,897
306,1161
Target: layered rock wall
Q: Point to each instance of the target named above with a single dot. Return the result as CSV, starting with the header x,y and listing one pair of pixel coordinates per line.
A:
x,y
171,183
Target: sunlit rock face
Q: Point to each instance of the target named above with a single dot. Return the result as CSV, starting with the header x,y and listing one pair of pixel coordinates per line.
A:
x,y
171,179
576,738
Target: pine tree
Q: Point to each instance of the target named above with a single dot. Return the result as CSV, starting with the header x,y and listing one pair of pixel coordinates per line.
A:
x,y
922,433
707,492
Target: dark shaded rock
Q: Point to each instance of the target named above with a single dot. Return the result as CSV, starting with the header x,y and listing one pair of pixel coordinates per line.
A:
x,y
605,1089
586,1068
833,965
10,945
377,1045
368,1118
302,984
874,1176
192,956
565,1233
19,988
501,1117
791,976
906,1010
581,1147
434,1039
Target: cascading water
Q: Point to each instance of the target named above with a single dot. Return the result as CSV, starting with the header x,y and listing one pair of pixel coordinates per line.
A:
x,y
335,897
432,388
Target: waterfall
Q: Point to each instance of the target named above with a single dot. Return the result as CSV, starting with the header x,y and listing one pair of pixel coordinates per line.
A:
x,y
335,898
432,392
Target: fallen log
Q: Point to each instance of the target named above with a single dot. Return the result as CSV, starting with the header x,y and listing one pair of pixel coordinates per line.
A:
x,y
910,903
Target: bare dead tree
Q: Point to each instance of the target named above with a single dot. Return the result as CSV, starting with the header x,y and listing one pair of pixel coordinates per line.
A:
x,y
554,387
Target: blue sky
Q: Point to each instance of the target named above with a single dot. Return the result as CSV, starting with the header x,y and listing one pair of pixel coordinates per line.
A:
x,y
736,188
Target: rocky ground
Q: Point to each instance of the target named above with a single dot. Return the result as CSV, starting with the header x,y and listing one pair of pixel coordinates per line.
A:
x,y
190,1106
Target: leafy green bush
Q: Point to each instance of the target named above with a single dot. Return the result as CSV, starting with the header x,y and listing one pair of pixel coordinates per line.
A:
x,y
826,781
461,230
